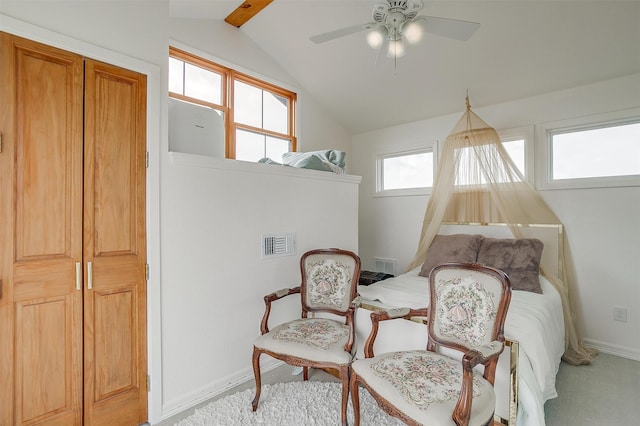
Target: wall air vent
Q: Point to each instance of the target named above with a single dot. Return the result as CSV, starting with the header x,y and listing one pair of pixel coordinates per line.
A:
x,y
274,245
388,266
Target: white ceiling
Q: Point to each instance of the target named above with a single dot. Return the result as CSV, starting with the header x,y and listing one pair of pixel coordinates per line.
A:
x,y
522,48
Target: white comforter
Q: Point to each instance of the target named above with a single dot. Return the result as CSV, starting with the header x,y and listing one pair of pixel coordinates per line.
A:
x,y
534,320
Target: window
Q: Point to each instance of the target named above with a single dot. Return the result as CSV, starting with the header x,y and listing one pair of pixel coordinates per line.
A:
x,y
594,155
515,149
258,116
412,172
263,120
519,144
404,173
471,172
515,141
606,151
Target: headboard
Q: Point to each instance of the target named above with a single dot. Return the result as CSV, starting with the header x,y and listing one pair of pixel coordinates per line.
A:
x,y
551,236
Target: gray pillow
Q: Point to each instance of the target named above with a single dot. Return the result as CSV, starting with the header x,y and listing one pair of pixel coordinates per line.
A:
x,y
518,258
451,248
328,160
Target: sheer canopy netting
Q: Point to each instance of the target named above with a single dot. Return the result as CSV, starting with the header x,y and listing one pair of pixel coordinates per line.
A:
x,y
478,182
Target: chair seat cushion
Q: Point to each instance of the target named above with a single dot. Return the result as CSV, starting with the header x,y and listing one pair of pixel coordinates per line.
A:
x,y
425,386
314,339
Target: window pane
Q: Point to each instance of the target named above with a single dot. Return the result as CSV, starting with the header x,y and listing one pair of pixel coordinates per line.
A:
x,y
276,147
249,146
276,112
515,149
607,151
476,162
247,103
203,84
407,171
176,76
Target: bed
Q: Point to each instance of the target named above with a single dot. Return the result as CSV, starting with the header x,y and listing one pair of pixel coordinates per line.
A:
x,y
534,328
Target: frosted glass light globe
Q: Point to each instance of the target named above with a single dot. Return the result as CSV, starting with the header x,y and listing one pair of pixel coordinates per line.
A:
x,y
375,38
396,49
413,32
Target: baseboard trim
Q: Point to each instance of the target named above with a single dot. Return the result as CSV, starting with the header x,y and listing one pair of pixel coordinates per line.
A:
x,y
198,396
608,348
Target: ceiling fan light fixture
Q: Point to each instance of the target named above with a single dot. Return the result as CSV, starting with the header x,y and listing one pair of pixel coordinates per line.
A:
x,y
396,24
396,49
376,37
413,32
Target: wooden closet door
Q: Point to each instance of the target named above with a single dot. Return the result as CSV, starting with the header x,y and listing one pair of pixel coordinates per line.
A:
x,y
72,239
40,234
115,373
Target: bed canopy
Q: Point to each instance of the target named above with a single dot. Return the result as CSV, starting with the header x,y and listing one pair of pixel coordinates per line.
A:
x,y
478,182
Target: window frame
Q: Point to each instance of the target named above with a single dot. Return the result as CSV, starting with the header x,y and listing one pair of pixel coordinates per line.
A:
x,y
379,171
525,133
229,76
545,133
261,84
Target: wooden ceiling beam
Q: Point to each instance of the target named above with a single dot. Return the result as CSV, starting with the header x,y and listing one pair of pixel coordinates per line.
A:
x,y
247,10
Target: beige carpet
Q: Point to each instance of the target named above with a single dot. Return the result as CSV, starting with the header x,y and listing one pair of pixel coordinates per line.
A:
x,y
288,404
603,393
606,392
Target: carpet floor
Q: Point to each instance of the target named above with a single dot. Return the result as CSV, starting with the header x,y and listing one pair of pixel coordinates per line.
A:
x,y
288,404
603,393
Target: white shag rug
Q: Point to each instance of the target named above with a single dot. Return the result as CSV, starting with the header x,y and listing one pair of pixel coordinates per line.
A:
x,y
310,403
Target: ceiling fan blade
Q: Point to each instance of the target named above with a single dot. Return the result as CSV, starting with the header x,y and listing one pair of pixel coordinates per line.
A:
x,y
331,35
452,28
247,10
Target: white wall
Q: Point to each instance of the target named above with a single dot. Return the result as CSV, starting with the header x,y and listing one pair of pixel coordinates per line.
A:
x,y
602,224
213,275
205,216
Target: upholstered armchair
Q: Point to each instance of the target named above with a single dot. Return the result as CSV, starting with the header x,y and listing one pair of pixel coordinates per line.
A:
x,y
328,285
467,308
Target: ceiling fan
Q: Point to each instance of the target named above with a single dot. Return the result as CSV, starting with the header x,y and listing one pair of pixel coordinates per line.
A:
x,y
396,20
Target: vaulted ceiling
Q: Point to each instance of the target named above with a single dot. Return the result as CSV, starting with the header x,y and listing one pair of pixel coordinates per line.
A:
x,y
522,48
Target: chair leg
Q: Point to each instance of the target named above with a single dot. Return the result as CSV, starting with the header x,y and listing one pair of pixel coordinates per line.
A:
x,y
256,375
305,373
355,399
344,375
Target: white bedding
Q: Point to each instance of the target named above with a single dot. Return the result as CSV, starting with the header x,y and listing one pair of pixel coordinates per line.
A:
x,y
534,320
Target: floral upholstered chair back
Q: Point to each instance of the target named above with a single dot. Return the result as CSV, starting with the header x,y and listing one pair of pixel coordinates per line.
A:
x,y
329,279
468,305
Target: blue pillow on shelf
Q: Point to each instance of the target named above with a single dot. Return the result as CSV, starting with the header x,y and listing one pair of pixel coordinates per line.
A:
x,y
327,160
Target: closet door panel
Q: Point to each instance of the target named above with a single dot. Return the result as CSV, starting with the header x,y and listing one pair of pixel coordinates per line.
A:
x,y
114,223
44,339
45,164
114,174
114,360
42,297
